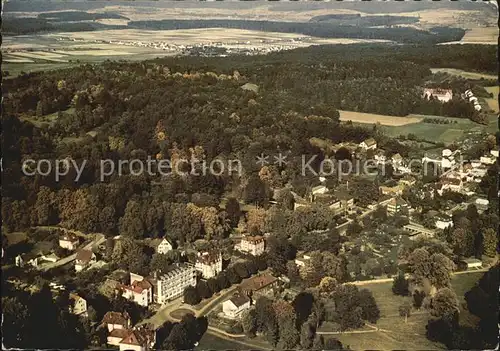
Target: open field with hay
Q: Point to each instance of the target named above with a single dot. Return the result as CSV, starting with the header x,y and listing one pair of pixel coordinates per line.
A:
x,y
360,117
465,74
487,35
394,333
493,102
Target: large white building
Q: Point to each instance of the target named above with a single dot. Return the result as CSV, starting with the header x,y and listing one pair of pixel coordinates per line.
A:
x,y
254,245
172,284
442,95
209,264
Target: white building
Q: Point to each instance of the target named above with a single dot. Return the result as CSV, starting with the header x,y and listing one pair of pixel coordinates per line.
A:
x,y
69,241
302,261
443,222
473,263
84,258
442,95
172,284
209,264
78,305
380,158
233,307
368,144
139,291
494,153
487,160
254,245
164,246
319,190
27,259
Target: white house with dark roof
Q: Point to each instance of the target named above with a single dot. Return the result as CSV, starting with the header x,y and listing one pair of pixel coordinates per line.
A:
x,y
368,144
164,246
69,241
78,305
84,258
233,307
209,264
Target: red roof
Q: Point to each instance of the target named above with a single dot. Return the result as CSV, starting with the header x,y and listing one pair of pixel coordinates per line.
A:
x,y
116,318
138,286
84,255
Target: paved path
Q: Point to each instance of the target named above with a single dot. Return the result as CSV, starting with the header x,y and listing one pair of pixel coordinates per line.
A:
x,y
98,240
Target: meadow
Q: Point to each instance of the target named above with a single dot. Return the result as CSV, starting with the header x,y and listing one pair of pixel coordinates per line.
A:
x,y
493,102
394,333
445,133
360,117
465,74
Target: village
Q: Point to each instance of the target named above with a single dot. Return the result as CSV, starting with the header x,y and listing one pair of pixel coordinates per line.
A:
x,y
222,283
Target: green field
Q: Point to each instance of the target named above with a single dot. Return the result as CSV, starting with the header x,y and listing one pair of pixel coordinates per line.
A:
x,y
465,74
212,342
446,133
400,336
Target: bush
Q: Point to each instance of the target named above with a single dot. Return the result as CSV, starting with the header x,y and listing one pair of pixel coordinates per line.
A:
x,y
191,296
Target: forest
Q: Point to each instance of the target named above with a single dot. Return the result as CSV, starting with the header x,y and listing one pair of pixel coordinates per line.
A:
x,y
174,108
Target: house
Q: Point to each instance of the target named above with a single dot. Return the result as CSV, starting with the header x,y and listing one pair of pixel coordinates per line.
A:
x,y
407,180
116,320
69,241
446,153
452,184
397,205
52,257
391,190
397,160
302,260
28,259
164,246
117,335
233,307
171,284
320,189
482,204
78,305
380,158
472,263
84,258
494,153
254,245
209,264
138,339
259,285
487,160
139,291
368,144
418,231
443,222
442,95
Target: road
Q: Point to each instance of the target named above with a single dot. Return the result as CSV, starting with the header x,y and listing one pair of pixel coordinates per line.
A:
x,y
98,240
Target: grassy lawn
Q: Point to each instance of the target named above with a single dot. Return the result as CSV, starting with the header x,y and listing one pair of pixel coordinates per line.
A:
x,y
49,119
15,237
398,335
465,74
493,102
446,133
212,342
